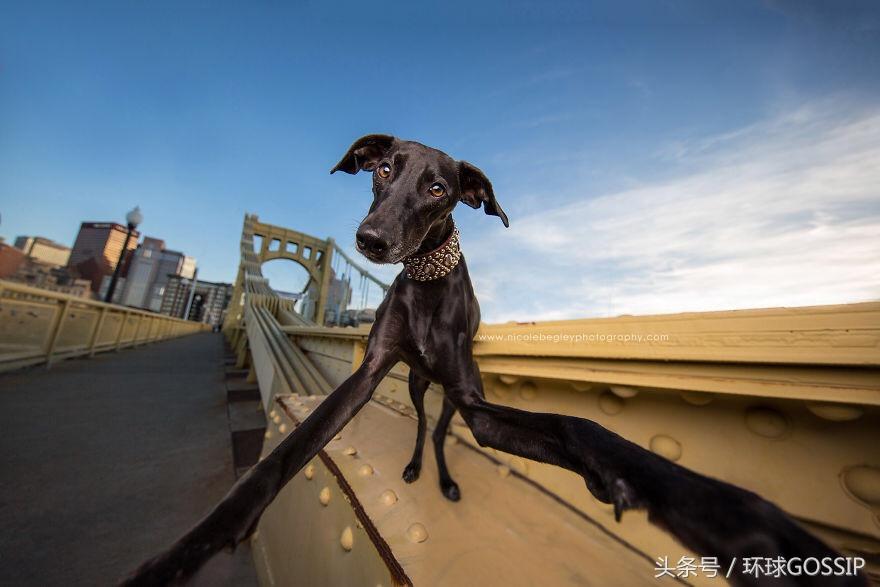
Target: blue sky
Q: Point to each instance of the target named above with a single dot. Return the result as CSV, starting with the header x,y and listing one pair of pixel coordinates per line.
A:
x,y
652,157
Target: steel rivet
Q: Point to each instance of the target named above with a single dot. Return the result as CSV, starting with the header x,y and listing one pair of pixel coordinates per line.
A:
x,y
365,470
350,451
862,483
499,391
528,391
766,422
347,538
324,496
666,446
610,403
835,412
309,472
623,391
696,398
282,429
388,497
503,470
417,533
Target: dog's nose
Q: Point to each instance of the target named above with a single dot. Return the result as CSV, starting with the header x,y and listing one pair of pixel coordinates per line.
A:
x,y
369,241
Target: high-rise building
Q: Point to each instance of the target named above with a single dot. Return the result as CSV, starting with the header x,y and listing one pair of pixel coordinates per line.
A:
x,y
171,263
96,250
147,274
209,301
43,249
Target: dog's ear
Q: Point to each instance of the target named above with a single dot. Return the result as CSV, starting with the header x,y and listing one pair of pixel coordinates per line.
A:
x,y
364,154
476,189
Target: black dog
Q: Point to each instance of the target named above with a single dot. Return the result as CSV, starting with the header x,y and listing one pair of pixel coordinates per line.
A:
x,y
435,314
428,320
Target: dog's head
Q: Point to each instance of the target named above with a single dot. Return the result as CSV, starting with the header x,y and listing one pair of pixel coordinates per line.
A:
x,y
414,189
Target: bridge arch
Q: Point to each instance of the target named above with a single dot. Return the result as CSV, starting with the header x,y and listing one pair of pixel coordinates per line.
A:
x,y
262,243
309,252
291,280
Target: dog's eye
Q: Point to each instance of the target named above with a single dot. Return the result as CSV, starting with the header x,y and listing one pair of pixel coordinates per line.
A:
x,y
437,190
384,170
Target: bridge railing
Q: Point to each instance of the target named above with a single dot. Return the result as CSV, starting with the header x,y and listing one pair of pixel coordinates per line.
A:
x,y
782,401
42,326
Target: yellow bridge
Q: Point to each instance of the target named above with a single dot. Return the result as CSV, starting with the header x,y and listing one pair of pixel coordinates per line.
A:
x,y
781,401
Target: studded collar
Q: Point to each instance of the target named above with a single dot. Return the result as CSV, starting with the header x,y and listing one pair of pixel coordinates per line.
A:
x,y
437,263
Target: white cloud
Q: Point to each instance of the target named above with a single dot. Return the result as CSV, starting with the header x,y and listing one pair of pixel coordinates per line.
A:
x,y
785,212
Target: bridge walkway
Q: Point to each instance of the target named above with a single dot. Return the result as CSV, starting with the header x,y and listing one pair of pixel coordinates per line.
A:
x,y
104,461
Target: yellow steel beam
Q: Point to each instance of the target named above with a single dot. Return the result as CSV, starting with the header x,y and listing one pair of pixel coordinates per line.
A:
x,y
846,335
504,531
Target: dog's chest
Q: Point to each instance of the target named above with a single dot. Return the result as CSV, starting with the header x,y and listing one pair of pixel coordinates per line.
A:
x,y
435,353
423,356
436,325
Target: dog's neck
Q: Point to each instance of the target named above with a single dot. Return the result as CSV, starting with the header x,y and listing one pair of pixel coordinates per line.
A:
x,y
438,255
437,235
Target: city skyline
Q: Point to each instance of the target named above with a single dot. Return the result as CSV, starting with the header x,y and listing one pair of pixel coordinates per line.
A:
x,y
651,158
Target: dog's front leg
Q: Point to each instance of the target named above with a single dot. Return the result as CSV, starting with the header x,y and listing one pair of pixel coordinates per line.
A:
x,y
417,388
711,517
236,516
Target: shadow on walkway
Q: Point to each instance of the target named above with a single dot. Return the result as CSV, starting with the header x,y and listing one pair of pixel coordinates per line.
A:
x,y
105,461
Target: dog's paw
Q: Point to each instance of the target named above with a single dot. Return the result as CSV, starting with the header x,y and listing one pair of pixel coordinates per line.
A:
x,y
451,491
624,498
411,472
618,492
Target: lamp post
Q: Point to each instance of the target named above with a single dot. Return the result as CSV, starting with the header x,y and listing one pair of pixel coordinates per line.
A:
x,y
133,218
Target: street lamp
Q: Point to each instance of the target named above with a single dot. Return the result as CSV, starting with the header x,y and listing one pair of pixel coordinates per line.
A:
x,y
133,218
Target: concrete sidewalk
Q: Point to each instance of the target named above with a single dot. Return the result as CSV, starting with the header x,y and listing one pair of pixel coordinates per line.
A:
x,y
105,461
